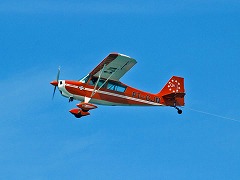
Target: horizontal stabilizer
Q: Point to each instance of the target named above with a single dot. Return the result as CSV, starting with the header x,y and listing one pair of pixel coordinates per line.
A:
x,y
174,99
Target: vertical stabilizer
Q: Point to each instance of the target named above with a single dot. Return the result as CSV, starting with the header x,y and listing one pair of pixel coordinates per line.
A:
x,y
173,92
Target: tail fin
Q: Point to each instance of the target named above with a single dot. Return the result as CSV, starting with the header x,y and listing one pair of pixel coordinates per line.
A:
x,y
173,92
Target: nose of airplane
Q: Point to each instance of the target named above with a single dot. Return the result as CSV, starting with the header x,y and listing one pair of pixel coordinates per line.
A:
x,y
54,83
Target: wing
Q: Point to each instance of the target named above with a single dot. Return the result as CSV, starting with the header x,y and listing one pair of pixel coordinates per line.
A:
x,y
115,66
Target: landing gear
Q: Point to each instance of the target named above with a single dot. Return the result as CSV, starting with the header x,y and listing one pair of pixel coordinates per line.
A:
x,y
178,110
70,99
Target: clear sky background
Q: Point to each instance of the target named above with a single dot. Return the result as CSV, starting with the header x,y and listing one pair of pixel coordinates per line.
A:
x,y
199,40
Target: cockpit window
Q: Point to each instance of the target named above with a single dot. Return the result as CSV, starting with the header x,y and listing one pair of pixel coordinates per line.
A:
x,y
93,81
85,79
114,86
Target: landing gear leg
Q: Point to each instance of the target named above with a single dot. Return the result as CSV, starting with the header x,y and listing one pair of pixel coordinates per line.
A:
x,y
178,110
70,99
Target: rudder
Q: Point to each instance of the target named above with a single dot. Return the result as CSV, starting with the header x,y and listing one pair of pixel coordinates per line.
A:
x,y
173,92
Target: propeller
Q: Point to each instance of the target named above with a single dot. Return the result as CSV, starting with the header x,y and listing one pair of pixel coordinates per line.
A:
x,y
55,83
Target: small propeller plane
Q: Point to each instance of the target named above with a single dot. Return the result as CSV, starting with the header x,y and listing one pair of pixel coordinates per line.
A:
x,y
102,86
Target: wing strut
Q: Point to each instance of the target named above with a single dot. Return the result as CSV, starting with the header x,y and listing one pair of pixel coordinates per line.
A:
x,y
106,80
97,81
94,90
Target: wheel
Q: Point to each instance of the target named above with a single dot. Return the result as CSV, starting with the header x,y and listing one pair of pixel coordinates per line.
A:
x,y
70,99
179,111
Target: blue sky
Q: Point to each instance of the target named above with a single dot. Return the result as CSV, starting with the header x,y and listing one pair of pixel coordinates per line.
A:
x,y
199,40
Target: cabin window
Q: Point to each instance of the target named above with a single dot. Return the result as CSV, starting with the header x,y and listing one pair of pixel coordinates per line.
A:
x,y
120,88
93,81
100,83
116,87
111,86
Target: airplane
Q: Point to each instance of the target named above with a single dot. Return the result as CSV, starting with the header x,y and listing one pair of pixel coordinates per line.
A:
x,y
102,86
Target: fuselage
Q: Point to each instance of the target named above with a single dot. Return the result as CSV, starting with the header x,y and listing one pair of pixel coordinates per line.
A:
x,y
102,86
110,93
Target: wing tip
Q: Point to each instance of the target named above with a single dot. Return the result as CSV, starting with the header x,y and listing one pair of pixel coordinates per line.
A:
x,y
120,54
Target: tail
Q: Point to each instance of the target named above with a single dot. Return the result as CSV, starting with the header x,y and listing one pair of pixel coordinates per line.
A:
x,y
173,92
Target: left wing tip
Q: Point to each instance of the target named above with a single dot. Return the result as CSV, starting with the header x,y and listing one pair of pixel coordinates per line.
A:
x,y
120,54
124,55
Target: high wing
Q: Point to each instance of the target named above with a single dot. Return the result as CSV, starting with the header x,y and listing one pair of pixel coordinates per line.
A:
x,y
114,66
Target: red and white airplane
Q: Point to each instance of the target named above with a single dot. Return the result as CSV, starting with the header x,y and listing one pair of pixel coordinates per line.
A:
x,y
102,86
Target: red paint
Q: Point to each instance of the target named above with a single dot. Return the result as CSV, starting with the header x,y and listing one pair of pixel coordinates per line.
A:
x,y
54,83
86,106
172,94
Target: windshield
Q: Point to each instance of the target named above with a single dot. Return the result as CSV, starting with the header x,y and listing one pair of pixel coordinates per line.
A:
x,y
85,79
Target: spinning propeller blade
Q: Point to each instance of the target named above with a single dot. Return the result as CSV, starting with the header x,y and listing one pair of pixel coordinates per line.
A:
x,y
54,92
55,83
58,73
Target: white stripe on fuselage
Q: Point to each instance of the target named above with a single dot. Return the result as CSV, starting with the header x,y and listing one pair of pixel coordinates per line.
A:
x,y
116,95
